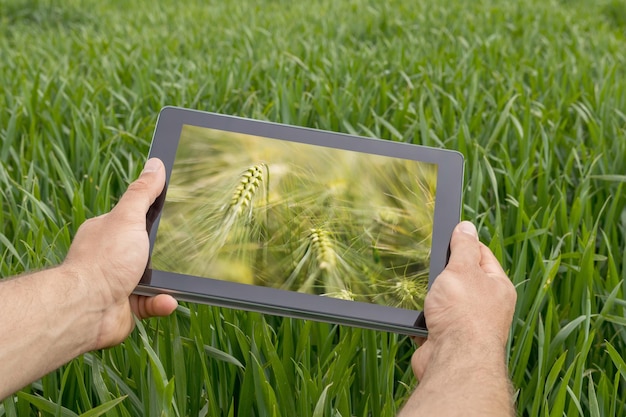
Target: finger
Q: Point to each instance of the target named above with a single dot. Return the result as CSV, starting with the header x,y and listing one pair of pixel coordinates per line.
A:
x,y
464,246
157,306
143,191
488,261
419,340
420,359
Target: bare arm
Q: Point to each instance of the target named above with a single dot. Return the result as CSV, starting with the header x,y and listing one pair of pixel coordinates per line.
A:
x,y
49,317
461,367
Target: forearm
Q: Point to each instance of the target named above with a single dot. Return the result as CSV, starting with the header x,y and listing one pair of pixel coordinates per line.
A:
x,y
463,381
44,324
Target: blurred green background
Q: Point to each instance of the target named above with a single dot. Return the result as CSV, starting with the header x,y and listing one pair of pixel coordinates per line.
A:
x,y
298,217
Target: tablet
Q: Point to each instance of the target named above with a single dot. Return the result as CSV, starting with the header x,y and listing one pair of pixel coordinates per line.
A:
x,y
299,222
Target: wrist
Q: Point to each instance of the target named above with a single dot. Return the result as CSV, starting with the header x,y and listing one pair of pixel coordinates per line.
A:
x,y
108,315
86,308
462,376
484,352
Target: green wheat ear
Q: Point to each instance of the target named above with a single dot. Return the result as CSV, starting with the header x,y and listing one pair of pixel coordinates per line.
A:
x,y
238,221
245,193
248,185
343,294
322,246
318,268
408,292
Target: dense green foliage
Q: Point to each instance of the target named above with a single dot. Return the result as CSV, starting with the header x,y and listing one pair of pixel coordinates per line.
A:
x,y
533,93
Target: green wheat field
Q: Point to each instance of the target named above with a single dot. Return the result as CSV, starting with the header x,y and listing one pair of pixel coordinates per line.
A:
x,y
532,93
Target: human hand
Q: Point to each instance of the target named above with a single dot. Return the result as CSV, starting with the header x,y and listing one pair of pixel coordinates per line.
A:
x,y
108,257
469,308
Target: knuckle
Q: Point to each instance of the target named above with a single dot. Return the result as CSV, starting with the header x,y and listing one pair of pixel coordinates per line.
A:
x,y
139,185
91,223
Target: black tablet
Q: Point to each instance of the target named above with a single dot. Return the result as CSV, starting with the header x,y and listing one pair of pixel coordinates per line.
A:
x,y
299,222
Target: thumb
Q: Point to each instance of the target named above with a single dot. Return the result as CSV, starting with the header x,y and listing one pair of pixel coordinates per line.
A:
x,y
464,247
143,191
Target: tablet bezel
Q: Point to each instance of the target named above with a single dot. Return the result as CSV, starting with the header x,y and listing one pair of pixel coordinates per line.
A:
x,y
288,303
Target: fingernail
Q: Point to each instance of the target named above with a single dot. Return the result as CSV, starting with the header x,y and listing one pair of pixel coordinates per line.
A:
x,y
152,165
469,228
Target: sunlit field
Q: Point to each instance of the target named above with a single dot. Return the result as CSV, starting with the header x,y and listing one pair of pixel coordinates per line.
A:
x,y
532,93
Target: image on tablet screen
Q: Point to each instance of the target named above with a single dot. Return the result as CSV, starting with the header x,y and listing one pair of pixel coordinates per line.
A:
x,y
298,217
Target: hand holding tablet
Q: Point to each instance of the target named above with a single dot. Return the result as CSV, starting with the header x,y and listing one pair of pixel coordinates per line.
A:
x,y
300,222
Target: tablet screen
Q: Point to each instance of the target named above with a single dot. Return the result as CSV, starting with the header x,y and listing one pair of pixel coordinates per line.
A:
x,y
298,217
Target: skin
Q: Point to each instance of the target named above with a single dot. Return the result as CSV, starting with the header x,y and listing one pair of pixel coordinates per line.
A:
x,y
52,316
461,367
